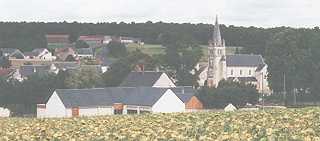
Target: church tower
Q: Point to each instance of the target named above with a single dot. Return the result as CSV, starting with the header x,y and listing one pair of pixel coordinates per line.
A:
x,y
216,58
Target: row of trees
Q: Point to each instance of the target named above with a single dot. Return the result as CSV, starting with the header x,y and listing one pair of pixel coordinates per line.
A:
x,y
27,36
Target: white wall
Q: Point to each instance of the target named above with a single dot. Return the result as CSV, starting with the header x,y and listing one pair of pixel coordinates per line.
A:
x,y
203,77
164,82
168,103
4,112
98,111
245,71
55,108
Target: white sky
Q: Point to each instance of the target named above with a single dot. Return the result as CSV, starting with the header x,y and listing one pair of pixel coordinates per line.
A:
x,y
261,13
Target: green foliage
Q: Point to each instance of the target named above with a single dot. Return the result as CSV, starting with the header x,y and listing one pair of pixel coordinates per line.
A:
x,y
120,69
81,44
228,92
83,78
117,49
182,53
295,54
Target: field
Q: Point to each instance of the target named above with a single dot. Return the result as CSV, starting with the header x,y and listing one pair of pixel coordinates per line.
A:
x,y
158,49
286,124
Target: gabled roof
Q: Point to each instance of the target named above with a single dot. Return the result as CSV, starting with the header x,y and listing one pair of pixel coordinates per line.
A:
x,y
38,51
244,60
12,52
141,79
142,96
260,67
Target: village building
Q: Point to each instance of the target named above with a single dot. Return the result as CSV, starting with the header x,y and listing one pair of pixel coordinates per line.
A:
x,y
27,70
65,54
85,53
247,68
40,54
93,40
148,79
117,100
11,53
57,40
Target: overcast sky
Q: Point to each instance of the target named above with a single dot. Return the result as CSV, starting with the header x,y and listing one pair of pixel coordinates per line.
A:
x,y
261,13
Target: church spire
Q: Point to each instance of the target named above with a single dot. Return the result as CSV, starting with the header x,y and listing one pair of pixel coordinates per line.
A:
x,y
217,41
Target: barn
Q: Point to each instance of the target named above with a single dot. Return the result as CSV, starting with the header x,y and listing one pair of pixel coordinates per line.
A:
x,y
117,100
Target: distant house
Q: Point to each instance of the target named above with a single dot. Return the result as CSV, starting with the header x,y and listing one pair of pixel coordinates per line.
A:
x,y
93,40
148,79
110,101
57,40
28,70
4,112
107,39
11,53
63,53
130,40
41,54
85,53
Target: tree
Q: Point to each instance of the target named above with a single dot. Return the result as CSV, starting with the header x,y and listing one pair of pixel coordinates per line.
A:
x,y
83,78
117,49
81,44
120,69
182,55
238,94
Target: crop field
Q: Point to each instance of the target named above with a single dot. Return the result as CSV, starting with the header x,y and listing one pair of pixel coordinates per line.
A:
x,y
273,125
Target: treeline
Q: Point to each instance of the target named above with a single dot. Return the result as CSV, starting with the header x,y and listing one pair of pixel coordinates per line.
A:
x,y
27,36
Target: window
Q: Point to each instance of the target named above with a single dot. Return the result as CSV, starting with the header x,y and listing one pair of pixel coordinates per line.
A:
x,y
249,72
240,72
118,112
231,72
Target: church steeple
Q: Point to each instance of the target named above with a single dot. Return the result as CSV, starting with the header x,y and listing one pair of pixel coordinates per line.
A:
x,y
217,40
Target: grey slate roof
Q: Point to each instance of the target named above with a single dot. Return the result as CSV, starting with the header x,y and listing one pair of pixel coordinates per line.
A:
x,y
28,70
67,65
141,79
184,93
244,60
12,52
142,96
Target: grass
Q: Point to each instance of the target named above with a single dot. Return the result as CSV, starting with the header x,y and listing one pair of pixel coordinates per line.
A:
x,y
152,49
283,124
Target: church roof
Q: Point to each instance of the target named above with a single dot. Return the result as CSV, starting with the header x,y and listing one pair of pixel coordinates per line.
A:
x,y
217,40
244,60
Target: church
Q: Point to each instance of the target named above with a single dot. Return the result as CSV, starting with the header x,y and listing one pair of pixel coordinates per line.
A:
x,y
247,68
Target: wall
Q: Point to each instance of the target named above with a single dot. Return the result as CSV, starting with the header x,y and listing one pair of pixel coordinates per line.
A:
x,y
97,111
245,71
55,108
164,82
194,103
168,103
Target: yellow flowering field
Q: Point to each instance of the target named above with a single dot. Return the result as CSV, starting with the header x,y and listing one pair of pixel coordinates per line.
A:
x,y
273,125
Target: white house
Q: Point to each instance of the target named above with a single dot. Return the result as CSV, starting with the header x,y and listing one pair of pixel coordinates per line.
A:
x,y
41,54
115,100
4,112
246,68
148,79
